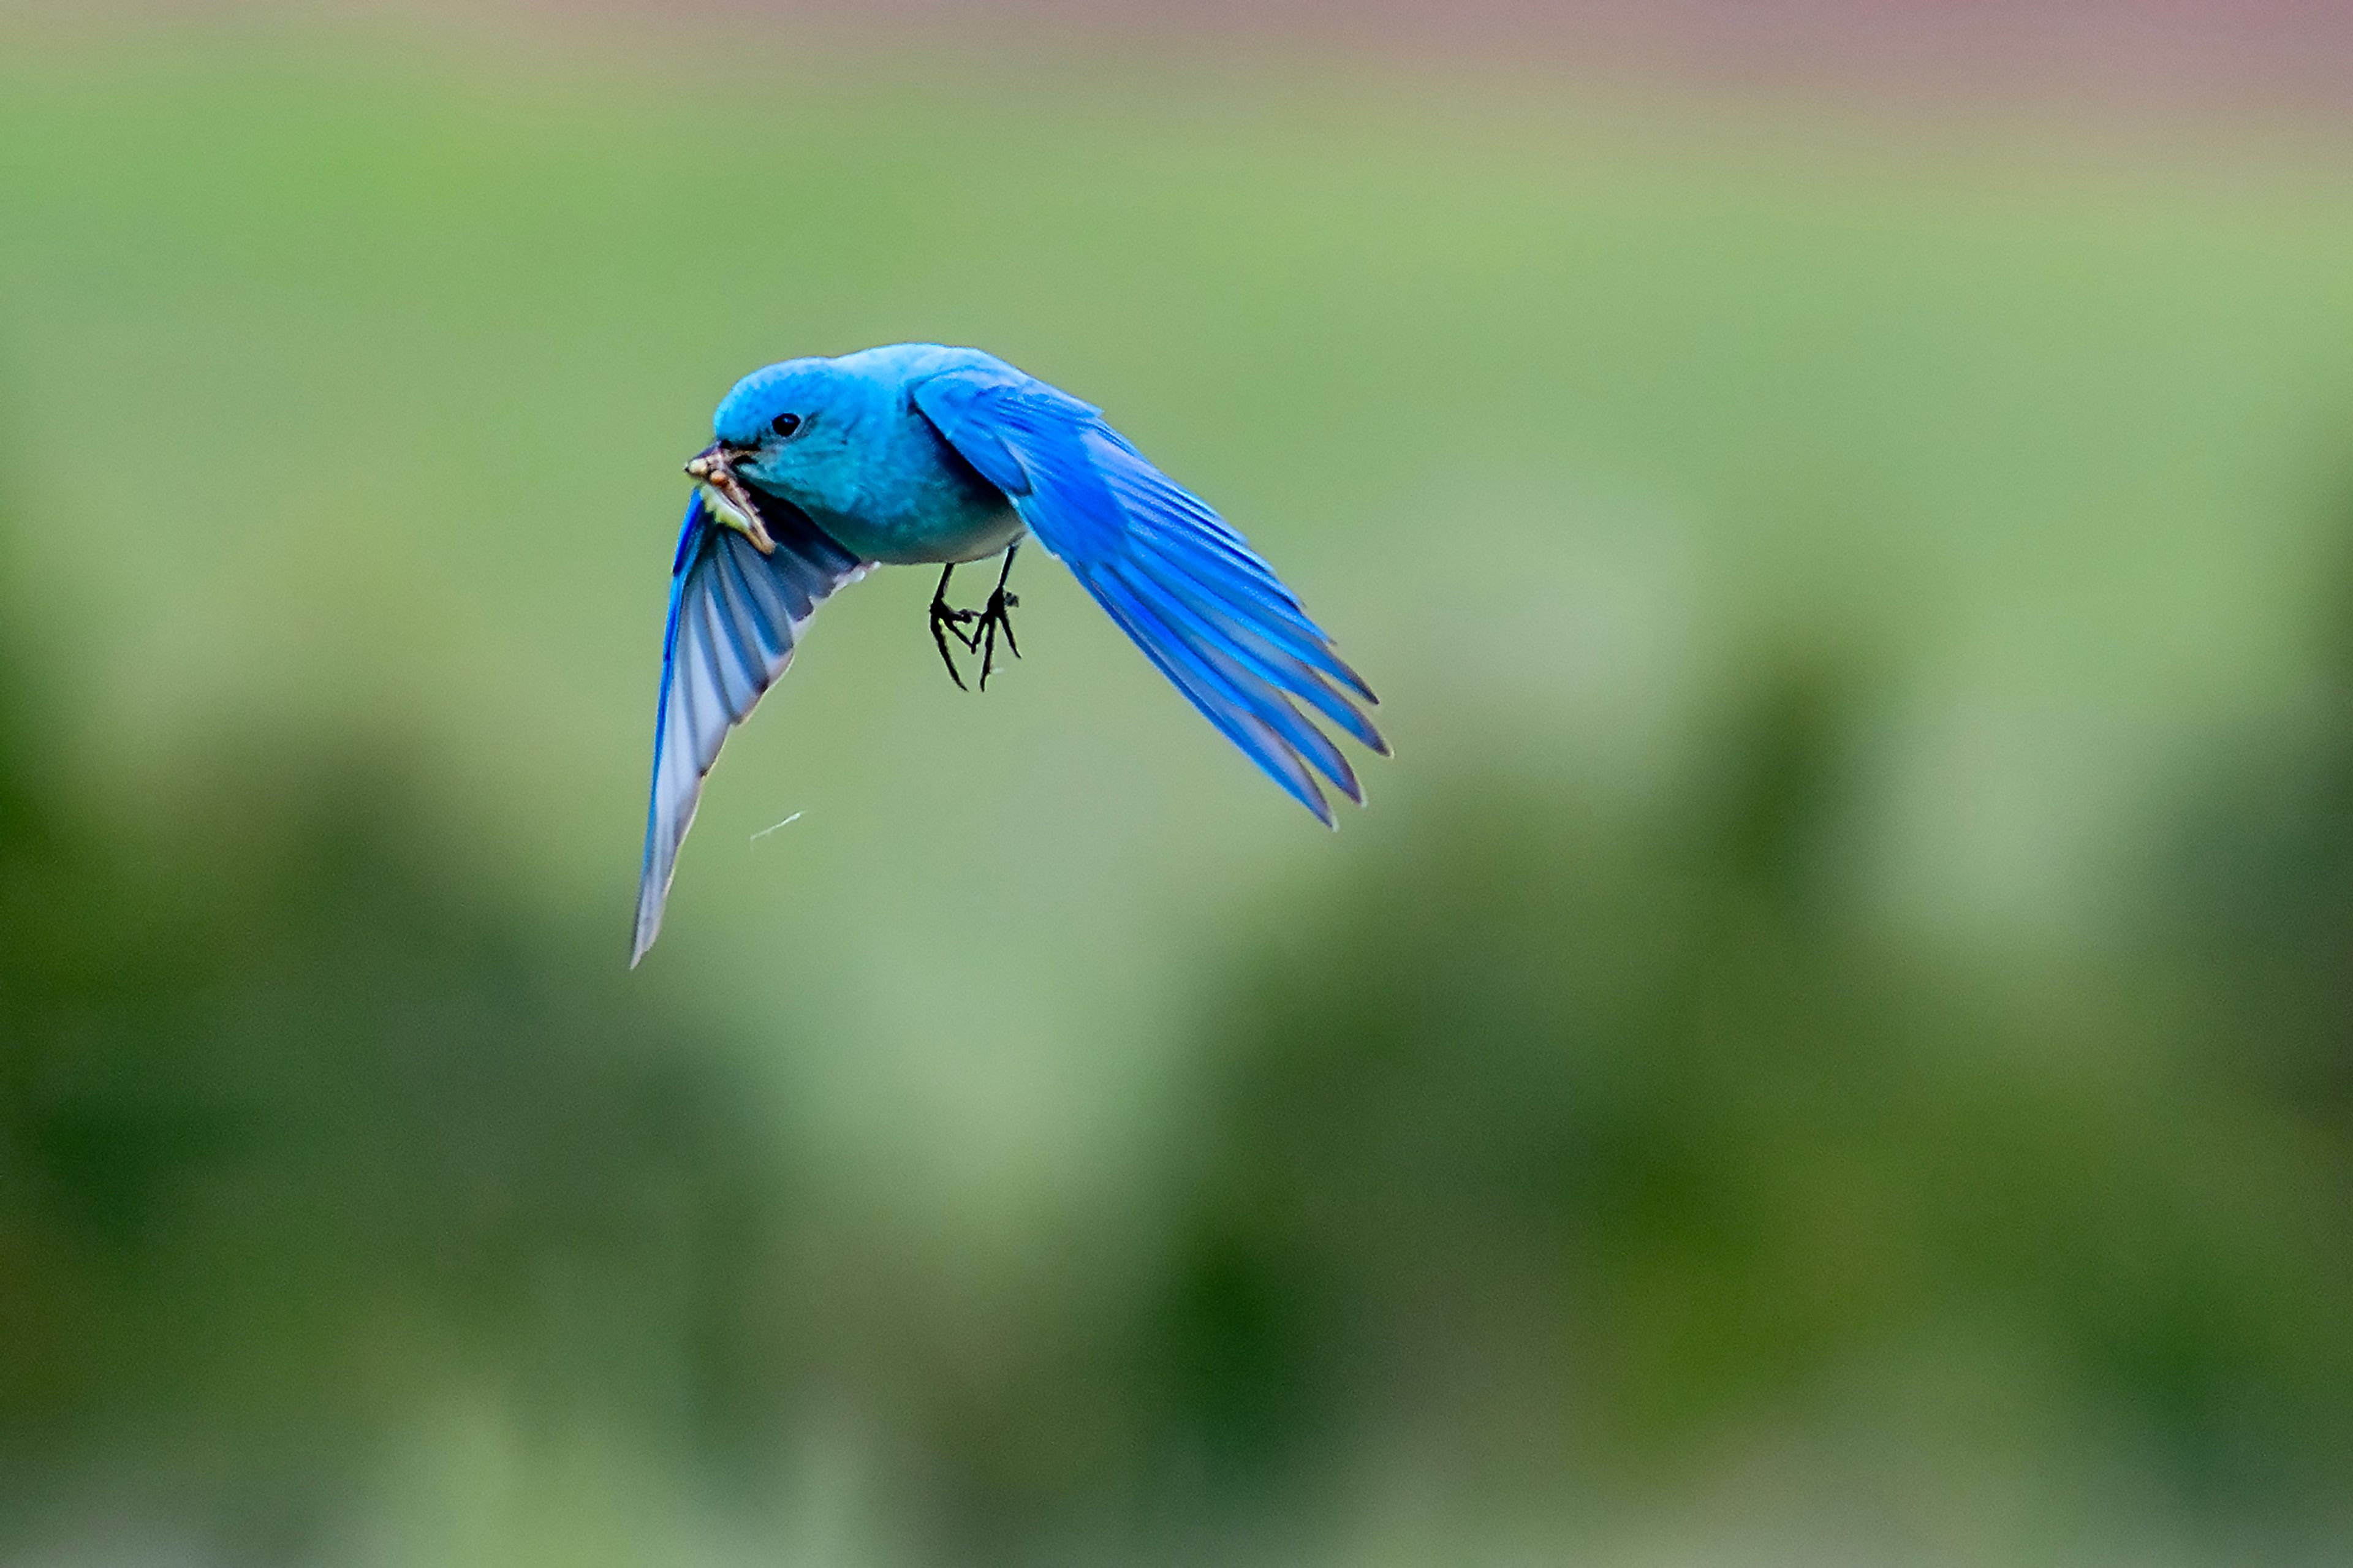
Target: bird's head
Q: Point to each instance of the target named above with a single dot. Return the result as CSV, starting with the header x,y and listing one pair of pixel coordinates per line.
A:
x,y
780,429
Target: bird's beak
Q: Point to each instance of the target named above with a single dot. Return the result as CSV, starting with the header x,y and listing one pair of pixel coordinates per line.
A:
x,y
714,469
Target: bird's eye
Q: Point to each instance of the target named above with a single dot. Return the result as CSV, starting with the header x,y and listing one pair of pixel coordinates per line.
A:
x,y
784,424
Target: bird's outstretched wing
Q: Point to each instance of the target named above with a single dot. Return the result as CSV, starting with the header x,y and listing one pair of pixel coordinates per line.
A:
x,y
735,618
1208,612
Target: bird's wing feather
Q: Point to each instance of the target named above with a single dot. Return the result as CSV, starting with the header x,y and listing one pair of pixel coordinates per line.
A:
x,y
1190,591
735,618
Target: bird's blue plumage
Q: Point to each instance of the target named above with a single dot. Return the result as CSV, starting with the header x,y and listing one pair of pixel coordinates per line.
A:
x,y
917,453
735,618
1205,610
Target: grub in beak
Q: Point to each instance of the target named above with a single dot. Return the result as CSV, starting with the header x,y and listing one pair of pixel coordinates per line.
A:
x,y
710,468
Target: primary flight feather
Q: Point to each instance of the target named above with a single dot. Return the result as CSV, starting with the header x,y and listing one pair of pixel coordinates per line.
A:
x,y
920,455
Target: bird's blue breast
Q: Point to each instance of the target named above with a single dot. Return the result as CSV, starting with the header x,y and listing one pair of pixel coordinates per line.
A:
x,y
919,502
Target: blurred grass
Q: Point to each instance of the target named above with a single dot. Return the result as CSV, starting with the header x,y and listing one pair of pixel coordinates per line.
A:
x,y
1830,1041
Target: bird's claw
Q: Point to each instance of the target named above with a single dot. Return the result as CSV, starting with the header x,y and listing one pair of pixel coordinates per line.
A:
x,y
946,622
985,622
992,619
951,621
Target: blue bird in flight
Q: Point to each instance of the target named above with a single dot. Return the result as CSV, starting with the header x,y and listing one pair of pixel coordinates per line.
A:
x,y
916,454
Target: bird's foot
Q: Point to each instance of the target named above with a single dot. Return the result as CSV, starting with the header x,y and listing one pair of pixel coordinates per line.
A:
x,y
947,622
997,617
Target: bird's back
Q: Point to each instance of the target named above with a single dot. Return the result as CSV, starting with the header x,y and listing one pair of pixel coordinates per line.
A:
x,y
904,364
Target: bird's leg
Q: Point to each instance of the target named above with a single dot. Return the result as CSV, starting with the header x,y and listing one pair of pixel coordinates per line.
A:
x,y
946,621
994,617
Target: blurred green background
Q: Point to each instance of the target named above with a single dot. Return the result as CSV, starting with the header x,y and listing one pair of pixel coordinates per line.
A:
x,y
1833,1042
